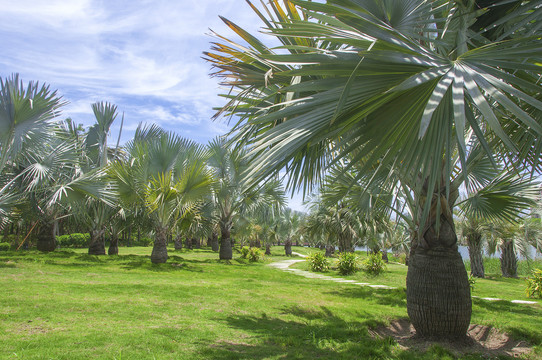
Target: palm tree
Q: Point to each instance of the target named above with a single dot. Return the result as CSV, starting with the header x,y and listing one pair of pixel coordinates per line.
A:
x,y
400,85
27,119
503,199
167,177
233,197
288,226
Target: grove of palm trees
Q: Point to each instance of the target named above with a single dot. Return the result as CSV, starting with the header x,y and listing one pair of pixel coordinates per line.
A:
x,y
412,130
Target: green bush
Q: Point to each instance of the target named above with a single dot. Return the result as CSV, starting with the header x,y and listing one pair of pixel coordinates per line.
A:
x,y
318,262
143,241
534,284
347,263
472,282
4,246
76,240
255,254
374,264
245,250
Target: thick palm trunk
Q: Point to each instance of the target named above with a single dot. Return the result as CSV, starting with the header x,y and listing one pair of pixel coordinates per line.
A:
x,y
226,251
288,247
46,237
474,242
178,242
113,245
267,249
438,292
509,260
159,250
97,242
188,243
214,242
330,249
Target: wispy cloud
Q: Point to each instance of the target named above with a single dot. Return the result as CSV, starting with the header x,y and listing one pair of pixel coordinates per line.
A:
x,y
142,55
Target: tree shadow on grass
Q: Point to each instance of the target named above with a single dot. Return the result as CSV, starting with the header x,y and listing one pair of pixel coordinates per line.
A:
x,y
529,312
389,297
312,334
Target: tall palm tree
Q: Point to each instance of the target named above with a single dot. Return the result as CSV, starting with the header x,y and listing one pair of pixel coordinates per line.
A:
x,y
234,197
399,85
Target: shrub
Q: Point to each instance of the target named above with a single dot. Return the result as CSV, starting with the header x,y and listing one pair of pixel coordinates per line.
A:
x,y
374,264
347,263
472,282
76,240
255,254
4,246
245,251
534,284
318,262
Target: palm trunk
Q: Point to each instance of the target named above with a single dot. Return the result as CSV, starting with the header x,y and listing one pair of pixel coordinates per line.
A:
x,y
438,292
288,247
267,249
46,237
178,242
113,245
474,242
385,256
509,260
214,242
97,242
188,243
330,249
159,250
226,251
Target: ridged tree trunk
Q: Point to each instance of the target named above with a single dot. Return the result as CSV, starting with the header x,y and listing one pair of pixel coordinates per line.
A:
x,y
113,245
226,250
474,243
188,243
509,260
197,243
438,293
267,249
159,250
214,242
97,242
46,237
178,242
288,247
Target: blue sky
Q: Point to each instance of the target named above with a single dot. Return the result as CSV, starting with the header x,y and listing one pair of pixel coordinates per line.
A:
x,y
143,56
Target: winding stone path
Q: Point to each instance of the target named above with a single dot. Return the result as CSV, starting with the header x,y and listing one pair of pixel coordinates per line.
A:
x,y
284,265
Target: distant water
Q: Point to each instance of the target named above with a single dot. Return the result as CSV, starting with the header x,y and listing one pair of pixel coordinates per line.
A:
x,y
464,251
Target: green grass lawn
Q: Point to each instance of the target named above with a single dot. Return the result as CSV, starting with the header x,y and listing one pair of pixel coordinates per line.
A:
x,y
69,305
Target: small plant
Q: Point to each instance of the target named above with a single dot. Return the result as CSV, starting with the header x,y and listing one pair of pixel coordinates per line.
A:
x,y
255,254
318,262
4,246
534,284
245,251
347,263
374,264
472,282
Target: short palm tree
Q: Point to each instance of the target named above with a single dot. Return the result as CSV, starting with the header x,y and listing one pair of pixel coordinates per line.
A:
x,y
234,197
165,176
395,85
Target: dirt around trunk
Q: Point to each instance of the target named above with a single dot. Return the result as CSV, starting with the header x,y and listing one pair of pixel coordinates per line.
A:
x,y
480,340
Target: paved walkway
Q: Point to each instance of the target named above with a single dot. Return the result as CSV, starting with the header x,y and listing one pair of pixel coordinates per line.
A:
x,y
284,265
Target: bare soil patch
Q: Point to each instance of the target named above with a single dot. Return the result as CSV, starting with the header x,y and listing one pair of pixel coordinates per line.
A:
x,y
481,340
